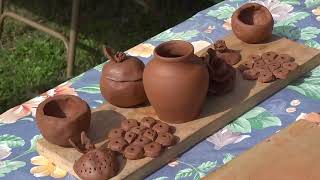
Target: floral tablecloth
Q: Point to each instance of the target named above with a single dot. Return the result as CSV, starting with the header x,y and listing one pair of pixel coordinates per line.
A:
x,y
297,20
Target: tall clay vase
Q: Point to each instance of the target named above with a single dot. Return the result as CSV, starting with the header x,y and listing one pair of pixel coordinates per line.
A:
x,y
62,117
176,82
252,23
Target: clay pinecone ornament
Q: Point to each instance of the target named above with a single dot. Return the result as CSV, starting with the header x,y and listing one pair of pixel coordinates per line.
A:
x,y
94,164
221,74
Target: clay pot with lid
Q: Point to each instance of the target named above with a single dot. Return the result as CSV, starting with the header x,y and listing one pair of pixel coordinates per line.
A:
x,y
121,80
252,23
176,82
63,117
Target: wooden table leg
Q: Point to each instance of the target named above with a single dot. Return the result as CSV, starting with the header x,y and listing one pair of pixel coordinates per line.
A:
x,y
73,37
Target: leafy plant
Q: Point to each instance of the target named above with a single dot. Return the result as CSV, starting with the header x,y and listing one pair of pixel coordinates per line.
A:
x,y
197,172
312,3
9,166
11,141
169,35
223,12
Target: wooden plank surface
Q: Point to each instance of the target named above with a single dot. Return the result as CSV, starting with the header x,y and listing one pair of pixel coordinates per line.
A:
x,y
217,112
291,154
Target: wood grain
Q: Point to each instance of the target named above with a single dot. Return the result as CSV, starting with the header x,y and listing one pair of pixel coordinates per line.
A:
x,y
217,112
291,154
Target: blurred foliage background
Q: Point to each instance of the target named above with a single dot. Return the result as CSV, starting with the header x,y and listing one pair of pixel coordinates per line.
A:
x,y
32,62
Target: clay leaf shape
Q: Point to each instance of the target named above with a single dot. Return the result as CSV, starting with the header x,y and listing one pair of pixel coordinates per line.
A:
x,y
225,137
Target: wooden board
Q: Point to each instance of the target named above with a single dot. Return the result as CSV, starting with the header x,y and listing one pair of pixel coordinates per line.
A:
x,y
291,154
217,112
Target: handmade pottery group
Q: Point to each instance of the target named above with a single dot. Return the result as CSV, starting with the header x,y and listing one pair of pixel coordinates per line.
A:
x,y
176,82
63,117
121,80
252,23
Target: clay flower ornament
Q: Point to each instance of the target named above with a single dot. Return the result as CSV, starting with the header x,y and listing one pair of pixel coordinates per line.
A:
x,y
46,168
225,137
143,50
316,12
29,107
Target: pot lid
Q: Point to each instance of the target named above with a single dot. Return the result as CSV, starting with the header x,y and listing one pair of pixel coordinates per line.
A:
x,y
122,67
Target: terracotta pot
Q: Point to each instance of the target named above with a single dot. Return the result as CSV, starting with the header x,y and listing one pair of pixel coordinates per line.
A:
x,y
62,117
176,82
252,23
121,80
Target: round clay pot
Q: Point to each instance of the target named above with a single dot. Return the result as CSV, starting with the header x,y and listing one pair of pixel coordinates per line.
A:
x,y
62,117
176,82
121,81
252,23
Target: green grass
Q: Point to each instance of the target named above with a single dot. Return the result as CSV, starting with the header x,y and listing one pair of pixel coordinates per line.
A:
x,y
32,62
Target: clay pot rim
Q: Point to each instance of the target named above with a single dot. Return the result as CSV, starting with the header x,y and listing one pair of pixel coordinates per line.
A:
x,y
248,5
190,51
123,81
57,97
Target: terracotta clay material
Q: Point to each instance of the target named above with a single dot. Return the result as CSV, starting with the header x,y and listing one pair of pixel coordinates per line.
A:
x,y
161,127
269,56
250,74
95,164
141,141
222,75
291,66
284,58
139,130
230,56
266,76
128,124
134,152
117,144
152,150
252,23
150,134
62,117
246,65
175,72
130,137
281,73
254,57
148,122
121,80
165,139
116,133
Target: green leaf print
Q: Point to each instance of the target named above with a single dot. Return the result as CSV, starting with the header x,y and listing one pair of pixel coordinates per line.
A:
x,y
9,166
207,166
291,2
11,141
223,12
312,3
308,85
257,118
169,35
184,173
240,125
91,89
33,142
290,32
227,157
309,33
313,44
293,18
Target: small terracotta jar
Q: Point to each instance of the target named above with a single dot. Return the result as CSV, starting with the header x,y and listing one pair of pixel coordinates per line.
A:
x,y
121,80
63,117
176,82
252,23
